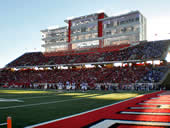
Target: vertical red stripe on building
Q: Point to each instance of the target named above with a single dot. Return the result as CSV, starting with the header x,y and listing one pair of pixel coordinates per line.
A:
x,y
100,25
69,31
100,28
69,35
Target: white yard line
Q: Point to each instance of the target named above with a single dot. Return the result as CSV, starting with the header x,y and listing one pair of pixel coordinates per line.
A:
x,y
3,124
43,103
28,105
144,108
152,104
109,122
147,101
146,113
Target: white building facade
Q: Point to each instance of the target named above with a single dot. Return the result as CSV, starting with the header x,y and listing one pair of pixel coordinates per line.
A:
x,y
96,31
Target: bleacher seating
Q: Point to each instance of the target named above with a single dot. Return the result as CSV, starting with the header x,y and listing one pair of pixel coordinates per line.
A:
x,y
143,51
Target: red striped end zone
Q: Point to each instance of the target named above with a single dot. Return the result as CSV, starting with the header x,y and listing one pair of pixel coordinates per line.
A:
x,y
109,112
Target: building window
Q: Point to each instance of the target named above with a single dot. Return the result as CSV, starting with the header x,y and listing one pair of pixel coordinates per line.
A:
x,y
132,28
122,22
108,32
83,29
113,31
94,35
137,19
123,29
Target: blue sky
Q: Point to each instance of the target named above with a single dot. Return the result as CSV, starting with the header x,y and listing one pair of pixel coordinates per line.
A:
x,y
22,20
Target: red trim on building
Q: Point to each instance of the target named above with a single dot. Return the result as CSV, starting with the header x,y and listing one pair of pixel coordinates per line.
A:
x,y
69,31
100,28
100,25
101,15
69,35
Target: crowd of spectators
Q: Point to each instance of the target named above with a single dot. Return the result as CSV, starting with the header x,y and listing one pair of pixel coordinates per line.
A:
x,y
154,75
121,75
143,51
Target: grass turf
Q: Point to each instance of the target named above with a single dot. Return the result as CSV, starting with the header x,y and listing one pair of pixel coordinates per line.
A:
x,y
56,104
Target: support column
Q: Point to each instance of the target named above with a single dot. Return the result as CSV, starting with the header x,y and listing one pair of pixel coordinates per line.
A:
x,y
69,36
100,29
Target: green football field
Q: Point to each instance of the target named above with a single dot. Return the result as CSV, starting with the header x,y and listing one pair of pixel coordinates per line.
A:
x,y
28,107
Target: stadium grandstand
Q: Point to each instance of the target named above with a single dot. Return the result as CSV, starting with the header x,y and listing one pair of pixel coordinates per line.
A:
x,y
104,52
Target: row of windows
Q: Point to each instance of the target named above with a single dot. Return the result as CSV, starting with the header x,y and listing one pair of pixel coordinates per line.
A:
x,y
58,35
88,44
94,35
56,49
84,21
115,23
61,40
73,31
107,32
84,29
58,40
84,37
121,30
106,24
120,40
57,31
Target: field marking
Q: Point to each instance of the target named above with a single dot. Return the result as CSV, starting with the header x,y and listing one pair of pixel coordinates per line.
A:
x,y
3,124
109,122
146,108
146,113
10,100
51,121
51,102
157,101
154,98
151,104
27,105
